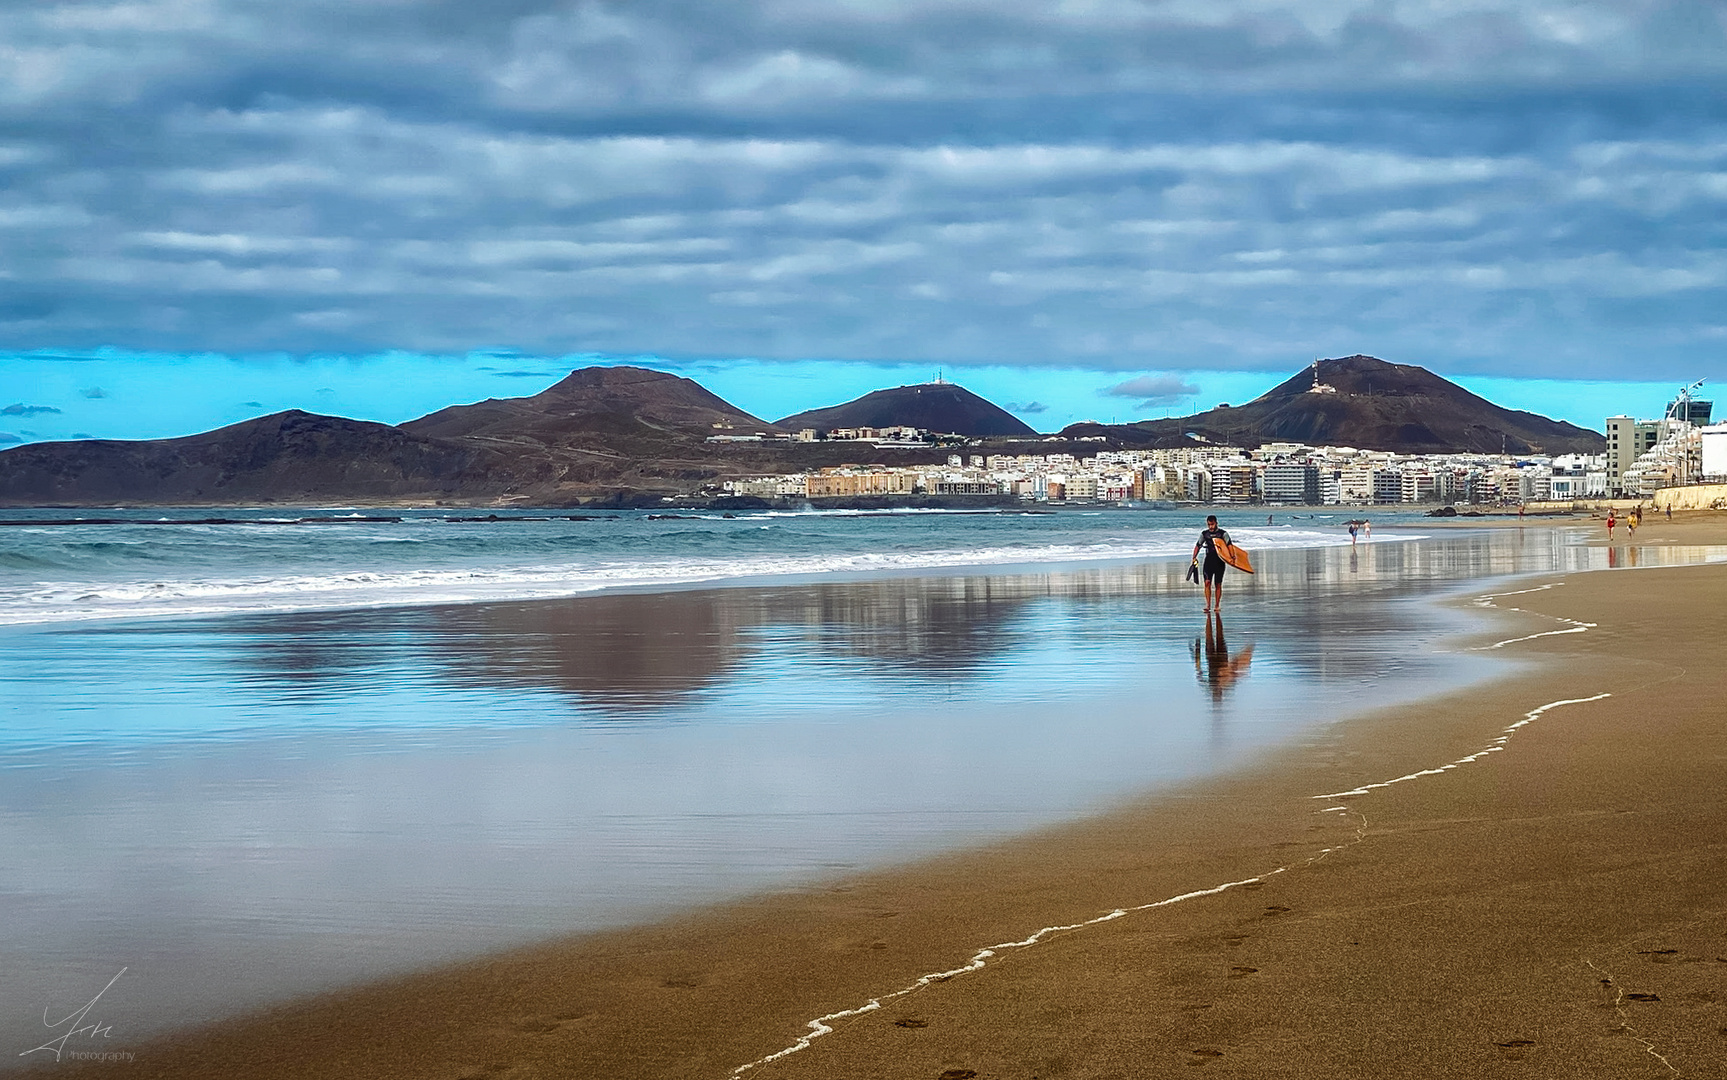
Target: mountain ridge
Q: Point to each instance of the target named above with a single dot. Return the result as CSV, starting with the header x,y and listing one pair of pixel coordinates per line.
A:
x,y
1364,402
627,435
941,407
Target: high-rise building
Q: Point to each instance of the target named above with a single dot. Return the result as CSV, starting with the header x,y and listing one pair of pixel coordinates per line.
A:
x,y
1291,482
1627,440
1691,410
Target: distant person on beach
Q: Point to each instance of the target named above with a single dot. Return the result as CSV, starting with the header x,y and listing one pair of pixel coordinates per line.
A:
x,y
1352,529
1669,511
1213,567
1631,521
1610,523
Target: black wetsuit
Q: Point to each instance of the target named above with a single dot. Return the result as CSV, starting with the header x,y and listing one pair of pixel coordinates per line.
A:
x,y
1214,564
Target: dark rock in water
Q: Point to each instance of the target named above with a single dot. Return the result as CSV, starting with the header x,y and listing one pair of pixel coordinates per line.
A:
x,y
1443,511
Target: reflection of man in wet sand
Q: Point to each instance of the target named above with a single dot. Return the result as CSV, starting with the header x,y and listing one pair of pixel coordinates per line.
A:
x,y
1211,660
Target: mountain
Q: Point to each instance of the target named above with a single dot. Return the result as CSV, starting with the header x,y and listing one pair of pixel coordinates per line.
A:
x,y
285,457
616,435
939,407
610,402
1364,402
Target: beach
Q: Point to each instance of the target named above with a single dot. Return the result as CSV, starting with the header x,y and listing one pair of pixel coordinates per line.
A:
x,y
1515,876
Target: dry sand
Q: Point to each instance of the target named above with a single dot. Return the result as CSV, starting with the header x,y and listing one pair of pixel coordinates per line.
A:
x,y
1552,908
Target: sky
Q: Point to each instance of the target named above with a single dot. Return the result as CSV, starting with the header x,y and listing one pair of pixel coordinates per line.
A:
x,y
1082,209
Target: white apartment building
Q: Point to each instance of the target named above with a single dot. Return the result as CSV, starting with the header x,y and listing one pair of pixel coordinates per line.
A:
x,y
1714,438
1290,482
1417,486
1233,481
1355,484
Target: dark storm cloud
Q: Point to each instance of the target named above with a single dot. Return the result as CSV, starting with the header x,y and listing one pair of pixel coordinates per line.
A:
x,y
1154,389
20,409
1530,188
1029,408
7,438
94,393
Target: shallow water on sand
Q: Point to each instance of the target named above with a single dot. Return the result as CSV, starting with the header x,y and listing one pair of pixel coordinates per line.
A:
x,y
238,809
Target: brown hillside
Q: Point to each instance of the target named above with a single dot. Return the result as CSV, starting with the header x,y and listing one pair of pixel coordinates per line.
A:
x,y
939,407
1372,405
290,456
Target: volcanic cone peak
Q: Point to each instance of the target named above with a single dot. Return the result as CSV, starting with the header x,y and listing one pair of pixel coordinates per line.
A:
x,y
940,407
1364,402
1365,376
603,396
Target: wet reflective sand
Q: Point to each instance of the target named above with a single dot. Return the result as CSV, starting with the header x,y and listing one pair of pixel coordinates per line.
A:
x,y
240,809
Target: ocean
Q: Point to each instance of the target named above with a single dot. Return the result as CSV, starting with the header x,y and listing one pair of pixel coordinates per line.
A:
x,y
154,564
276,753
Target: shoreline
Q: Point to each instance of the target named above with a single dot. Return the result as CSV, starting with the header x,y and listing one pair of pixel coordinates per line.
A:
x,y
447,578
702,995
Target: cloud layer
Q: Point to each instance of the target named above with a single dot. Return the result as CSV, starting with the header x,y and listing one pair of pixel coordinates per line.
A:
x,y
1520,188
1154,389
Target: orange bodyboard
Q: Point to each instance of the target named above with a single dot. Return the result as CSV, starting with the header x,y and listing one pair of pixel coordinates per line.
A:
x,y
1233,555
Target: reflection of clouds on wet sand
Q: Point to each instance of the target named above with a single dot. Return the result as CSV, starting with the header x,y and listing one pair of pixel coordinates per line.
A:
x,y
634,653
314,798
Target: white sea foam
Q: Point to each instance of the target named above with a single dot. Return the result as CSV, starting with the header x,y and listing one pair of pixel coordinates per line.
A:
x,y
217,594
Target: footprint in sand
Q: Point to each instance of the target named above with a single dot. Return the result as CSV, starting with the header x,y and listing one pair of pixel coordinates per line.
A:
x,y
543,1025
1242,972
1514,1049
911,1022
957,1074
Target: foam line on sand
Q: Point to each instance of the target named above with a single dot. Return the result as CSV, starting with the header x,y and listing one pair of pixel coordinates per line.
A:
x,y
1573,626
823,1025
1494,747
820,1025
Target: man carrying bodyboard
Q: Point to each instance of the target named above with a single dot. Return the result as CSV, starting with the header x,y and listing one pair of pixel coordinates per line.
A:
x,y
1219,551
